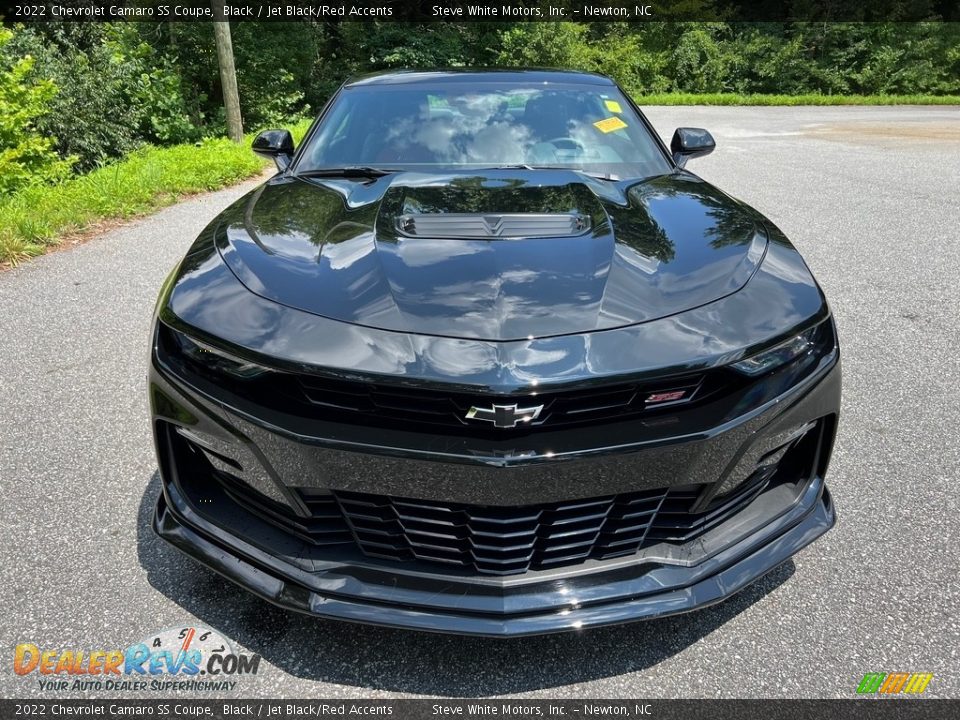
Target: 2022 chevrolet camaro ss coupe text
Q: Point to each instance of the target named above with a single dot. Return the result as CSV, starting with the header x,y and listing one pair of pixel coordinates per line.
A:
x,y
483,357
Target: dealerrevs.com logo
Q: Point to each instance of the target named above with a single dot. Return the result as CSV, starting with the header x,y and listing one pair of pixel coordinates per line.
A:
x,y
177,659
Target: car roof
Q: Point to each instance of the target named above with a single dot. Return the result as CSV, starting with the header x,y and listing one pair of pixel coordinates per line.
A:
x,y
462,75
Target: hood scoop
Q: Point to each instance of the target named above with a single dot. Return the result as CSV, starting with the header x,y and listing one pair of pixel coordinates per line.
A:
x,y
498,257
509,226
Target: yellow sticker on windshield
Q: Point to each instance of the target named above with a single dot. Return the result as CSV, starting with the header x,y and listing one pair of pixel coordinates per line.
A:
x,y
613,106
610,124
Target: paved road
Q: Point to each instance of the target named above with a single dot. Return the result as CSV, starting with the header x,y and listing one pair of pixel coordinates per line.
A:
x,y
869,195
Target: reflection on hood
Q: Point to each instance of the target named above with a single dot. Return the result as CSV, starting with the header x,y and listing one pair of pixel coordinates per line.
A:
x,y
651,250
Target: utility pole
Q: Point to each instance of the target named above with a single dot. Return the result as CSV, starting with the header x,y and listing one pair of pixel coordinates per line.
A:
x,y
228,72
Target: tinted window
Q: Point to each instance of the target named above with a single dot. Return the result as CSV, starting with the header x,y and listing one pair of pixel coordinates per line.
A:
x,y
449,125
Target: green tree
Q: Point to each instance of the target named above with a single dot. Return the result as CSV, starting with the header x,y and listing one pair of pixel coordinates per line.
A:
x,y
700,62
115,93
26,154
547,44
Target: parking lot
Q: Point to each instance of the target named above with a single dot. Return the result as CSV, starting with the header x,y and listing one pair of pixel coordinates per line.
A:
x,y
870,197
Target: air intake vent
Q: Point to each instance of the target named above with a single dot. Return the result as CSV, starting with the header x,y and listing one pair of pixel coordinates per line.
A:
x,y
469,226
676,524
496,540
324,527
500,540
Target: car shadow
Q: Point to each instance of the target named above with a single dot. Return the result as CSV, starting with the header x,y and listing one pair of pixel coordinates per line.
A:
x,y
417,662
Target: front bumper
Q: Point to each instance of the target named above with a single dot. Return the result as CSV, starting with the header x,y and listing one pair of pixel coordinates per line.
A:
x,y
203,521
658,592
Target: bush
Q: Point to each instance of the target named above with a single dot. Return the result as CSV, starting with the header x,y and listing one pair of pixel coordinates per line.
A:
x,y
155,89
26,154
700,64
91,115
547,44
114,94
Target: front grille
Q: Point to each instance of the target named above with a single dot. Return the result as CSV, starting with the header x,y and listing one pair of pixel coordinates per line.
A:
x,y
365,401
417,408
493,540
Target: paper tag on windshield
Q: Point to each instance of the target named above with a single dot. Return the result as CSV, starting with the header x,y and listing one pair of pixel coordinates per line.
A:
x,y
609,124
613,106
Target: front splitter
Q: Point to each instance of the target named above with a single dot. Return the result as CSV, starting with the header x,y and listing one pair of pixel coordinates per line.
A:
x,y
737,567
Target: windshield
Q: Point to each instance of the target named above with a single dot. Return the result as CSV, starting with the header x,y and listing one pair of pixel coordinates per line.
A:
x,y
463,125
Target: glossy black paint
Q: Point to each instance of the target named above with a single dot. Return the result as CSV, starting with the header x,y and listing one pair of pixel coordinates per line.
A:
x,y
276,145
459,75
689,143
331,248
205,297
674,277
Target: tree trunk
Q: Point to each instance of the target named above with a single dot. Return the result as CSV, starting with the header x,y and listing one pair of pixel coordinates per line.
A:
x,y
228,73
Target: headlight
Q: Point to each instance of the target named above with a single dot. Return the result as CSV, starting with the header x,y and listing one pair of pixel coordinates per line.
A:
x,y
210,359
780,355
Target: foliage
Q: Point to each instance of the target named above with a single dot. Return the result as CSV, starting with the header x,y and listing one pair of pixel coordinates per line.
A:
x,y
766,99
613,51
26,154
114,93
777,58
147,179
700,63
274,62
555,44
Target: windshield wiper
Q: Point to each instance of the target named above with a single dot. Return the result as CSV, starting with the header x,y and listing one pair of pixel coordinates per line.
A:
x,y
351,171
523,166
610,177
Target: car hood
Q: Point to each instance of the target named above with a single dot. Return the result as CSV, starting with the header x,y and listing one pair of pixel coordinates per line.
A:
x,y
502,255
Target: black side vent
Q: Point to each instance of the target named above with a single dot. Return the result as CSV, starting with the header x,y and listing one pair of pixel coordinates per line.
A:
x,y
676,524
325,526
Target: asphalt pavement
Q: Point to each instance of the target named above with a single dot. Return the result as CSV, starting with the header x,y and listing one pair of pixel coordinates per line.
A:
x,y
871,196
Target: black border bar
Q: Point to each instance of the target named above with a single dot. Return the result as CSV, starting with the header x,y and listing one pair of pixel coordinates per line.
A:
x,y
876,708
332,11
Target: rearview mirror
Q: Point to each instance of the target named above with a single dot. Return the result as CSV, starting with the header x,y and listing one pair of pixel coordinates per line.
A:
x,y
690,143
276,145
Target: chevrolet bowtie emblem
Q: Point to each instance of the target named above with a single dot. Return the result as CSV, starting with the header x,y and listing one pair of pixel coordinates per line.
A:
x,y
505,416
494,225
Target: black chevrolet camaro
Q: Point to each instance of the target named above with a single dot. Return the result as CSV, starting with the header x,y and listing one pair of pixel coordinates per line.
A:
x,y
483,357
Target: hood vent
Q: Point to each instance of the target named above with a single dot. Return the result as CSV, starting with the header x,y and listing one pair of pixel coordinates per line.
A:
x,y
486,226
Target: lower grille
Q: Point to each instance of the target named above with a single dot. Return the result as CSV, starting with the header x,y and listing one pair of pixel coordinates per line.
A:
x,y
500,540
512,540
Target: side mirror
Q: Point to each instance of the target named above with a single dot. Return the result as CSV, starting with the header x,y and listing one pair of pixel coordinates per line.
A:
x,y
690,143
276,145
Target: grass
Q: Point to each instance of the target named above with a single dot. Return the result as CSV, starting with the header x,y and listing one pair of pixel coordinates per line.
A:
x,y
735,99
40,216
